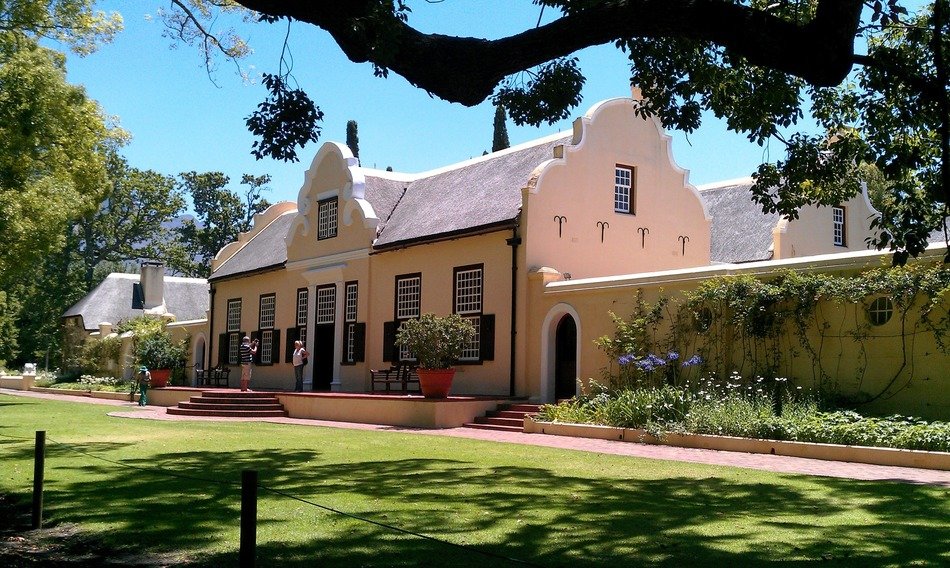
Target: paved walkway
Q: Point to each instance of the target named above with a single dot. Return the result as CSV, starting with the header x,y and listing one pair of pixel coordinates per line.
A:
x,y
765,462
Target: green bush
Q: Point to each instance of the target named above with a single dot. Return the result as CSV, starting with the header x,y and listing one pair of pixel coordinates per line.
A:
x,y
744,410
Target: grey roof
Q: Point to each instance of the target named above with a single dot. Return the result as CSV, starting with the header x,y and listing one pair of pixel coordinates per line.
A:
x,y
473,195
266,249
741,232
383,194
111,300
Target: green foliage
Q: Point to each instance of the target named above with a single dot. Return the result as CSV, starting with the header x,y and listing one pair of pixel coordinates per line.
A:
x,y
52,168
499,131
353,138
744,408
152,344
766,320
550,93
286,119
221,215
437,342
74,23
101,356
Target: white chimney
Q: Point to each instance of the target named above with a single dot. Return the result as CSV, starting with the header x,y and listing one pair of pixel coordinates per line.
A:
x,y
152,280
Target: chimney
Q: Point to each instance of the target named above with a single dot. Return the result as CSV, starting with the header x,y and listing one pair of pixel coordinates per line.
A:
x,y
152,281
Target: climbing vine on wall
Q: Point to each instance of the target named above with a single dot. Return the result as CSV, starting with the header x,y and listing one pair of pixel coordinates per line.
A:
x,y
774,327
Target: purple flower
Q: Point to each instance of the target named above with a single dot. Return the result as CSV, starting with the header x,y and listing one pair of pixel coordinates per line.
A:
x,y
655,361
694,360
672,356
626,359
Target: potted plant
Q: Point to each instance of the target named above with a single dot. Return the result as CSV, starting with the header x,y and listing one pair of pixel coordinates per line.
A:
x,y
160,354
437,343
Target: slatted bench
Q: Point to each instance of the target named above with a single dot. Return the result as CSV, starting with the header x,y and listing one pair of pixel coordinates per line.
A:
x,y
397,378
217,377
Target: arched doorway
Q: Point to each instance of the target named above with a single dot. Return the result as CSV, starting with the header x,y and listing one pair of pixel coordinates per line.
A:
x,y
565,358
199,353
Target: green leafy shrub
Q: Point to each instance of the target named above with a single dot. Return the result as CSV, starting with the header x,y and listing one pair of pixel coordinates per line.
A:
x,y
752,409
437,342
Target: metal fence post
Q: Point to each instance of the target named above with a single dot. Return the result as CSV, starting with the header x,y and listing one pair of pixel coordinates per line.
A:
x,y
248,551
39,463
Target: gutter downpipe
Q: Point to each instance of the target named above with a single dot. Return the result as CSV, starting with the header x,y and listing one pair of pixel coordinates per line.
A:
x,y
210,328
513,242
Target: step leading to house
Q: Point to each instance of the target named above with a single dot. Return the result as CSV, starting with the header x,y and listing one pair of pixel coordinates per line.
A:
x,y
508,418
246,404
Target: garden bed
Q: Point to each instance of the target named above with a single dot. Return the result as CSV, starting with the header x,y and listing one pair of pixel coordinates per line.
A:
x,y
107,395
835,452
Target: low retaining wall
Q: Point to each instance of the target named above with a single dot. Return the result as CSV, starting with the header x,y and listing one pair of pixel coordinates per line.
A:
x,y
106,395
857,454
410,411
17,382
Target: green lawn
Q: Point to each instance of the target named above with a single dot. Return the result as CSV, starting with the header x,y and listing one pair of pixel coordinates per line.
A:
x,y
547,507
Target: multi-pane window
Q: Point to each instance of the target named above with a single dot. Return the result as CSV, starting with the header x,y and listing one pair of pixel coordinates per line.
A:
x,y
349,317
327,219
303,297
326,304
233,329
881,310
408,304
624,196
467,303
408,296
266,327
838,220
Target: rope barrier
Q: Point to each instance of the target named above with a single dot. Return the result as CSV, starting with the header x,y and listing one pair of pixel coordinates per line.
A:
x,y
165,473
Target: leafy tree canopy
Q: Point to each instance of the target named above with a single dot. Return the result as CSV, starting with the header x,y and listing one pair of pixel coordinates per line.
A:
x,y
759,64
221,214
73,23
52,167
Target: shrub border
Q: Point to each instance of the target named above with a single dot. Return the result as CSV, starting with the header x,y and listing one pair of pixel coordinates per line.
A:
x,y
832,452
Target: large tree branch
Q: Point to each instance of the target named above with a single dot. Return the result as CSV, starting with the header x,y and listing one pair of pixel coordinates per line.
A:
x,y
467,70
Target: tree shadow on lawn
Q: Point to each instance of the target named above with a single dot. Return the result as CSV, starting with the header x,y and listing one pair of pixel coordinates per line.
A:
x,y
188,501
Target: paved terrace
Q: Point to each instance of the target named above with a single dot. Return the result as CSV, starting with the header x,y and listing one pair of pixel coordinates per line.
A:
x,y
765,462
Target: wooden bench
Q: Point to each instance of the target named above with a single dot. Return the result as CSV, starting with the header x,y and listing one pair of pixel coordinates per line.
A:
x,y
217,376
401,376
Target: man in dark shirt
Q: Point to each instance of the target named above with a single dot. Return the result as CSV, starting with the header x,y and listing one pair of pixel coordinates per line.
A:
x,y
248,350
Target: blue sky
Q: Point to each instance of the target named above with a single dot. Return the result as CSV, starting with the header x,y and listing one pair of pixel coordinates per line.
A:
x,y
180,120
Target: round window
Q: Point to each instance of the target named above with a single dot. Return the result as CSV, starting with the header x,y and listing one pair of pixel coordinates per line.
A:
x,y
703,320
880,311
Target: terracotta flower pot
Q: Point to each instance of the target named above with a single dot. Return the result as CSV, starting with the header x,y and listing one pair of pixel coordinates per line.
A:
x,y
160,377
435,383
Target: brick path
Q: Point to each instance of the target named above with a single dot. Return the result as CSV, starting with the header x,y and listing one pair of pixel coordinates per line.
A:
x,y
765,462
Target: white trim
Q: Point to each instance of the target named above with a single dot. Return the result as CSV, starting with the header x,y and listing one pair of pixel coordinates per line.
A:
x,y
549,341
328,261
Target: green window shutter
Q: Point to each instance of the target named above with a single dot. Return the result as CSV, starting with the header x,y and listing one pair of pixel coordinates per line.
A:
x,y
275,347
359,342
224,346
486,346
390,353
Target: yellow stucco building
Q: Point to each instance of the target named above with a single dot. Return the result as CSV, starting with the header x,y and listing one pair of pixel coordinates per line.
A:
x,y
534,244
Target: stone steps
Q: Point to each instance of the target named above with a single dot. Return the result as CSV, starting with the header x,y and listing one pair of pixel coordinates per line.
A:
x,y
508,418
246,404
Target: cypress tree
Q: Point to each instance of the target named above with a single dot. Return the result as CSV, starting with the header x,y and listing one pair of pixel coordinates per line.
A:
x,y
500,138
352,138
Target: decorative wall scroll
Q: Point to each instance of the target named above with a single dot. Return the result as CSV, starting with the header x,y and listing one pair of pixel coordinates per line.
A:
x,y
684,239
603,225
643,236
561,219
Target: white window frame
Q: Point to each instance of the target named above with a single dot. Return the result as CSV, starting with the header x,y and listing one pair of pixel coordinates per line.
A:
x,y
303,299
467,302
839,222
327,218
233,327
326,305
624,190
351,295
408,305
266,317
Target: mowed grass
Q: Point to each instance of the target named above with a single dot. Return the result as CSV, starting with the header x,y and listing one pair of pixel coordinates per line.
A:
x,y
176,489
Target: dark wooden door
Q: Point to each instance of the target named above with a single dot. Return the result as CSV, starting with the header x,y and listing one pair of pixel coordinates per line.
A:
x,y
565,358
324,338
